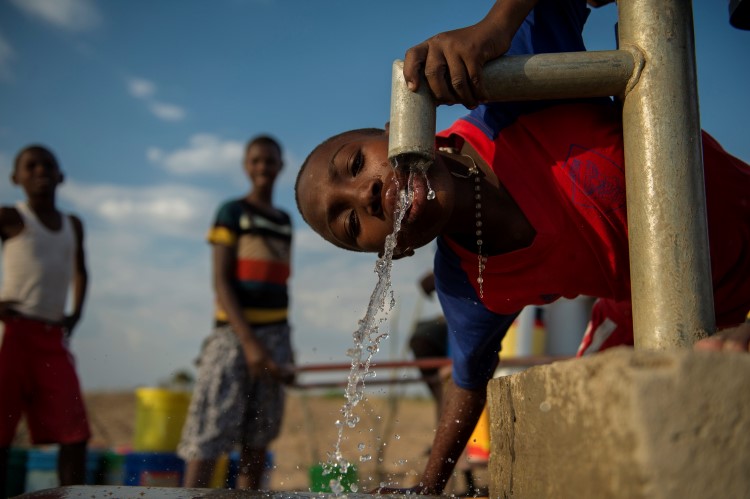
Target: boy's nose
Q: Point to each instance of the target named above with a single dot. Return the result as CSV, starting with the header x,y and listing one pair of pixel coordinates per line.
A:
x,y
369,194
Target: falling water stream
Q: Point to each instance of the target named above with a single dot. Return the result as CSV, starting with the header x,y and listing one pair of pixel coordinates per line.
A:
x,y
367,337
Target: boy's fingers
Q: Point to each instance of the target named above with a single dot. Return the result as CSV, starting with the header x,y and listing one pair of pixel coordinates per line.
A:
x,y
460,83
438,76
413,64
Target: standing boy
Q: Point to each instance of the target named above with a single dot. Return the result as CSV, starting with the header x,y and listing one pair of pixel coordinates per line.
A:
x,y
42,254
239,397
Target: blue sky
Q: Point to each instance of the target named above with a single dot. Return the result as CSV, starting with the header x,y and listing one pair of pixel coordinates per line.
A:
x,y
147,105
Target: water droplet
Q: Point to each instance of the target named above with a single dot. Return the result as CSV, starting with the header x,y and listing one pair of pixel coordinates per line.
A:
x,y
430,195
361,446
397,436
354,487
364,458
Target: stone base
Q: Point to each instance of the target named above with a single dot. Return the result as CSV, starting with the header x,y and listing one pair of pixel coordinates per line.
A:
x,y
623,423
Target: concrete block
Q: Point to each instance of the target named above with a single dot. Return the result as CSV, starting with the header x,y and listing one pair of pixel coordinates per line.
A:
x,y
623,423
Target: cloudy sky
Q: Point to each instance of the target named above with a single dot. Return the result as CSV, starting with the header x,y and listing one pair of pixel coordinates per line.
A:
x,y
147,105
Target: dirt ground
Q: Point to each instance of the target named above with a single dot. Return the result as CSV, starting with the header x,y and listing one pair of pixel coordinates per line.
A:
x,y
396,434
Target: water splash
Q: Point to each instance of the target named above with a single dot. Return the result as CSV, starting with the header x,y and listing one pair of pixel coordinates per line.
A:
x,y
367,337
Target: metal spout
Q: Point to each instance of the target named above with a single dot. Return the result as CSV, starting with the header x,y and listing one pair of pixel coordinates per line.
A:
x,y
411,139
508,78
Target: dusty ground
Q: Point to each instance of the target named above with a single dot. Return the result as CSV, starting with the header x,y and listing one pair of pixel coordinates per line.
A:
x,y
400,429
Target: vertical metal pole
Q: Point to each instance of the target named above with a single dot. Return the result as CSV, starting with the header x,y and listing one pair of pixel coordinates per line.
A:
x,y
669,256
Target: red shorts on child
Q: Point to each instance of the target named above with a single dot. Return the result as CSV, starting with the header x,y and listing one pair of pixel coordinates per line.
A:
x,y
38,379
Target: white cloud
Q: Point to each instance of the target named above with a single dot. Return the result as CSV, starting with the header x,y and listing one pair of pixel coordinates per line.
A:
x,y
205,153
7,54
141,88
145,90
71,15
167,112
150,301
175,210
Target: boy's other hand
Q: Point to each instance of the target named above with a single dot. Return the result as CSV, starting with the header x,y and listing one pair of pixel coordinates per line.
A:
x,y
70,322
734,339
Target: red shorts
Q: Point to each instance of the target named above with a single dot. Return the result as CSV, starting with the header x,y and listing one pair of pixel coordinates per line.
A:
x,y
38,379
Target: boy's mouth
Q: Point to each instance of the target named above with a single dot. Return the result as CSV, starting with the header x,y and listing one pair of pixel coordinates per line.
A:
x,y
418,187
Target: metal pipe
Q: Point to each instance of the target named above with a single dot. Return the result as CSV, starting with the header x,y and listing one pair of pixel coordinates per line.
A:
x,y
429,363
509,78
669,255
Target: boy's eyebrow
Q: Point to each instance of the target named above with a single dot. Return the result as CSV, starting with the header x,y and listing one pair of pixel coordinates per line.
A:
x,y
331,163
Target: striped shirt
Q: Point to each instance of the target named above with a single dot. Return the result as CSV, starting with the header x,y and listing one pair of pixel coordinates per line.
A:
x,y
262,245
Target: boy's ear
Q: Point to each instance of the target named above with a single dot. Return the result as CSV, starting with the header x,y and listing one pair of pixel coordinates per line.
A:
x,y
13,178
387,127
61,178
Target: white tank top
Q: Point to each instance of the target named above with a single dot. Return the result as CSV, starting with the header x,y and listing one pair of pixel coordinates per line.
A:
x,y
38,267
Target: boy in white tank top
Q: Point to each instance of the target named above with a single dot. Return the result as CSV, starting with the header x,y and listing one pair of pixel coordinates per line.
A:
x,y
42,257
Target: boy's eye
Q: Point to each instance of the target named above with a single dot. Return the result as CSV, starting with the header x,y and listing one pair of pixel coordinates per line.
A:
x,y
356,165
352,225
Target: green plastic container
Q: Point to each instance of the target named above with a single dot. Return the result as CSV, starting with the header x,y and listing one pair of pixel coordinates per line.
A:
x,y
320,481
113,468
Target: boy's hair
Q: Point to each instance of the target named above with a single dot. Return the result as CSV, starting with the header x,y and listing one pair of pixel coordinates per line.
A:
x,y
34,148
263,140
362,131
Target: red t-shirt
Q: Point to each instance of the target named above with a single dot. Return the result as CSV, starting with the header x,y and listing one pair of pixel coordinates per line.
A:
x,y
564,167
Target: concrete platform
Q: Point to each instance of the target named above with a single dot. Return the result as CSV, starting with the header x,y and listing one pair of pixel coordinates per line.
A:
x,y
127,492
624,424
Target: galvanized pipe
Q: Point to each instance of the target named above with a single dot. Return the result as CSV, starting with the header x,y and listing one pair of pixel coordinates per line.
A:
x,y
669,255
510,78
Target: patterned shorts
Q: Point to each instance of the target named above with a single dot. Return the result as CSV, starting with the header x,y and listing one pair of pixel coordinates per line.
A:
x,y
228,408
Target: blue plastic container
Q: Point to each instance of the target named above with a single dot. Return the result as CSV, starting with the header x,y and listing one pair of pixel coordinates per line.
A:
x,y
154,469
94,466
41,469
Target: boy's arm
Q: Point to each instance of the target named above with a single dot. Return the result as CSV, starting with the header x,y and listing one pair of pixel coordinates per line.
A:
x,y
453,60
9,220
258,361
80,277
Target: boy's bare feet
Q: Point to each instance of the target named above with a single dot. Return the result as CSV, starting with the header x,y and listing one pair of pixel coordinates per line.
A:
x,y
734,339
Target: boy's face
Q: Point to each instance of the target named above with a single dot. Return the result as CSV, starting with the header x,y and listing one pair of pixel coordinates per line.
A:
x,y
37,173
262,165
348,193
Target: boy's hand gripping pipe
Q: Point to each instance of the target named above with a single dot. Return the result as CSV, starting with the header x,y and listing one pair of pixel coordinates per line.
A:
x,y
508,78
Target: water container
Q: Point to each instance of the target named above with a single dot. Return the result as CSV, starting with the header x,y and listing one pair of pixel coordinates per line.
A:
x,y
113,468
478,446
94,466
154,469
16,478
41,469
160,414
320,481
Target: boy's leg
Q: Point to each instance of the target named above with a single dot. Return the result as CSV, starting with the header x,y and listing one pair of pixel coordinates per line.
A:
x,y
216,408
199,472
265,408
3,470
71,464
252,464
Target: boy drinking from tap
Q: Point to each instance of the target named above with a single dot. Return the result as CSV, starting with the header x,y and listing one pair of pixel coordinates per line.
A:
x,y
529,206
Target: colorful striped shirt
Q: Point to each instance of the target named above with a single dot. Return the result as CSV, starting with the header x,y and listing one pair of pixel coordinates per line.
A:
x,y
262,244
